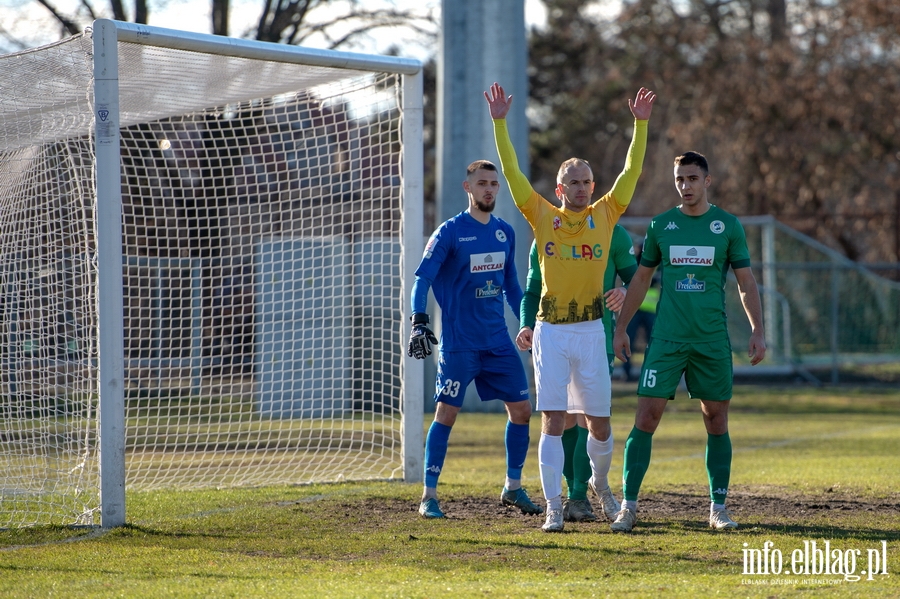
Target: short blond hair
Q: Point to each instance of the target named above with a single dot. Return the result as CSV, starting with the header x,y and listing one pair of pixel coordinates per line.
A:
x,y
569,163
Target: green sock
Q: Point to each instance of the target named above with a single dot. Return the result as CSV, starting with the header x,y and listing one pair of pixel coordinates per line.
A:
x,y
637,459
582,466
718,465
569,441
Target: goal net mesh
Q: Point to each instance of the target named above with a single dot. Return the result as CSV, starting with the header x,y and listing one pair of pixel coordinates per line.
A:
x,y
261,266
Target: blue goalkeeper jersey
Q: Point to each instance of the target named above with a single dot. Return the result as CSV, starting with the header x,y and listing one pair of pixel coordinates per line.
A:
x,y
470,268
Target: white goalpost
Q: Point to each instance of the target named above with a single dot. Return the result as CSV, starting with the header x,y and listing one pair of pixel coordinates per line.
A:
x,y
205,244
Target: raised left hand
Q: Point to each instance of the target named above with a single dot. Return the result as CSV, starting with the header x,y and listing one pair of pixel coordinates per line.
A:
x,y
642,105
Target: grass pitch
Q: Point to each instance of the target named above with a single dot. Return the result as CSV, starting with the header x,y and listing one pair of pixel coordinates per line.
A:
x,y
815,480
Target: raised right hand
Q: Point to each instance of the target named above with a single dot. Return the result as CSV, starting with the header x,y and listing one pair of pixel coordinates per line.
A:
x,y
498,102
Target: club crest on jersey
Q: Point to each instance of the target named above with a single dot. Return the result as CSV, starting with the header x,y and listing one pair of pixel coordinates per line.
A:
x,y
557,222
590,221
717,226
430,245
692,255
690,284
489,290
500,235
487,262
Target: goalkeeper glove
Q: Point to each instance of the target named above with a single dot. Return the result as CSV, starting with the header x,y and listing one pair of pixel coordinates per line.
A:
x,y
420,337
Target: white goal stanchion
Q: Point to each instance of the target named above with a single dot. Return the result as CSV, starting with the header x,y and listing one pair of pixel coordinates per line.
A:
x,y
205,244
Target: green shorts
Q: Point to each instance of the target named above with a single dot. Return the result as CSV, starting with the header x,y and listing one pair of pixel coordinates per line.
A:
x,y
707,368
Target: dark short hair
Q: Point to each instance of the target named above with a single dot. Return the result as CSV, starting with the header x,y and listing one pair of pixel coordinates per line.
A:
x,y
480,164
695,158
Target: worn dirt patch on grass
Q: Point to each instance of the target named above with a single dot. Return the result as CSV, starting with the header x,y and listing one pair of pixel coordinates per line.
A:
x,y
683,508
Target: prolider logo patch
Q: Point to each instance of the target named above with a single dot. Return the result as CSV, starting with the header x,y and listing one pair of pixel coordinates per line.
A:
x,y
489,290
690,284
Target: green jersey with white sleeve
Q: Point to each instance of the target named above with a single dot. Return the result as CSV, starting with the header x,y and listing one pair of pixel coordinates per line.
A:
x,y
694,253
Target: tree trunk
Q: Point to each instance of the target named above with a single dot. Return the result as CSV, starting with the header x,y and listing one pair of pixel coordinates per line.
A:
x,y
118,10
220,17
777,10
140,12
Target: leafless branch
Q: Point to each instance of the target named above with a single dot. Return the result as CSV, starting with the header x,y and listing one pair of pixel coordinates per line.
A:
x,y
70,26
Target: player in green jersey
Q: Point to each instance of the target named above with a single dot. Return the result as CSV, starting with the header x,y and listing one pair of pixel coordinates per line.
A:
x,y
577,467
694,243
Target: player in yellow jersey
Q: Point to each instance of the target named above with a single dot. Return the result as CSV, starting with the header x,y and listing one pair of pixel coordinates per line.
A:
x,y
569,341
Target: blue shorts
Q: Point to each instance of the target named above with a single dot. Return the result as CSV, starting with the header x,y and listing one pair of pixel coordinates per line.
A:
x,y
498,374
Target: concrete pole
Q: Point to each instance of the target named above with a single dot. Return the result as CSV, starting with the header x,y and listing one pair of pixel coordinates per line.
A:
x,y
482,41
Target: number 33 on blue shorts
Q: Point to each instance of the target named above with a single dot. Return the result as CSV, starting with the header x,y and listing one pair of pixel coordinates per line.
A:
x,y
498,374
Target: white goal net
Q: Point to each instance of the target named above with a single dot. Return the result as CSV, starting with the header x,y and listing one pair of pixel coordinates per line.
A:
x,y
262,199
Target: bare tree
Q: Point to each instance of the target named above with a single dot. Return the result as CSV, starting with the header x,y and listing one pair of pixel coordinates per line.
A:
x,y
291,22
280,21
794,100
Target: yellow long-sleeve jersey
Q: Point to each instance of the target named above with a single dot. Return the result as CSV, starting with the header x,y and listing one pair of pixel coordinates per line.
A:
x,y
572,246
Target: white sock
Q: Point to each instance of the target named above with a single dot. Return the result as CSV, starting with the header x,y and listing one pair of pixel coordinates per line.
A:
x,y
554,504
429,493
600,453
551,459
716,507
631,505
513,483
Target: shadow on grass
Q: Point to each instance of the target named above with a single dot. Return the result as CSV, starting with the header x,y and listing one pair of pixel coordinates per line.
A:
x,y
815,401
620,547
134,530
765,513
762,529
824,531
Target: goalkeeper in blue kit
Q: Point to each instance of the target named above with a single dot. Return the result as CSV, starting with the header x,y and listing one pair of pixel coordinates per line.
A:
x,y
468,264
694,243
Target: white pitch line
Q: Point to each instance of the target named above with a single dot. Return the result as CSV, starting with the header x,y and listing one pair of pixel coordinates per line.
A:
x,y
91,535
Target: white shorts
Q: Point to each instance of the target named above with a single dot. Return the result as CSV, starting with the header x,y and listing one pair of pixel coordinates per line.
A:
x,y
570,368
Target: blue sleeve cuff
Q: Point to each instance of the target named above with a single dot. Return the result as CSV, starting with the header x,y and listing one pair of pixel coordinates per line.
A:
x,y
420,295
